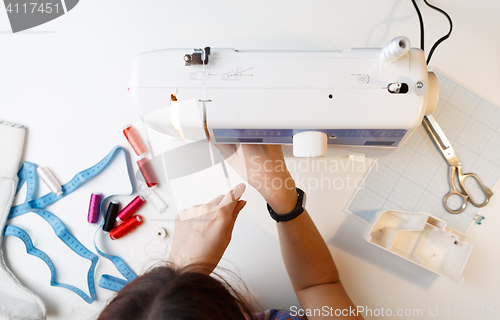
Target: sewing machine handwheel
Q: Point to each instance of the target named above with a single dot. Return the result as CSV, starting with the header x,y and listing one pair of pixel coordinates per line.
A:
x,y
432,93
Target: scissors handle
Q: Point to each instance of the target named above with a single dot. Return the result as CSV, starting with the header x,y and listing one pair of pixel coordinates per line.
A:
x,y
487,192
462,196
455,192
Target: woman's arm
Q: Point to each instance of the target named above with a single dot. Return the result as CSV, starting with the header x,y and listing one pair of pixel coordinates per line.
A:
x,y
306,256
308,261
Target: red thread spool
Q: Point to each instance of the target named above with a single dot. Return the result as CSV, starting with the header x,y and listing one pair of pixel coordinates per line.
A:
x,y
147,172
126,227
130,209
134,140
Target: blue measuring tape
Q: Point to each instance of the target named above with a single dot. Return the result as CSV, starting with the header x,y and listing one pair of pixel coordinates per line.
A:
x,y
75,245
28,174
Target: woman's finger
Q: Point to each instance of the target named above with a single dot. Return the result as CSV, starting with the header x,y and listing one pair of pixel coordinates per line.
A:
x,y
216,201
199,210
231,198
239,206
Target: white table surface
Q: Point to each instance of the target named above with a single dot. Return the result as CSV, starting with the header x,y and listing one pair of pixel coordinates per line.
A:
x,y
67,82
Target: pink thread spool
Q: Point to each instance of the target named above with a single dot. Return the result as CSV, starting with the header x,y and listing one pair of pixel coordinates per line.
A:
x,y
130,209
94,208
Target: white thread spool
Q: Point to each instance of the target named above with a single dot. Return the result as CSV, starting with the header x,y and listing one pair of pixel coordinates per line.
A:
x,y
395,49
49,179
161,233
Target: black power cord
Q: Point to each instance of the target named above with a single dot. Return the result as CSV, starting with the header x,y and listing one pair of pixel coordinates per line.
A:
x,y
421,24
438,42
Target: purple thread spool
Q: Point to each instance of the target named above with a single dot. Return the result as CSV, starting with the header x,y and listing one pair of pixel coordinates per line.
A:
x,y
94,208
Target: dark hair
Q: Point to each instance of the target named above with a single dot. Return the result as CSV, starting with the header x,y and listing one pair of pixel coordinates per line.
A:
x,y
174,294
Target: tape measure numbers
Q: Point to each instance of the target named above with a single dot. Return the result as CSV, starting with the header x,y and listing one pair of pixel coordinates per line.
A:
x,y
28,175
11,230
112,283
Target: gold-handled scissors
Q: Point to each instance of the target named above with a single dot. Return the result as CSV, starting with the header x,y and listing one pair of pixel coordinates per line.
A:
x,y
444,145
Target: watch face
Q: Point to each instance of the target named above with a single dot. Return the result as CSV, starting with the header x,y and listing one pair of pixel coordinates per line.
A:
x,y
302,195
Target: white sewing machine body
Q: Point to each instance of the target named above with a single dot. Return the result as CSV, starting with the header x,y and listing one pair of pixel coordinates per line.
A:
x,y
339,98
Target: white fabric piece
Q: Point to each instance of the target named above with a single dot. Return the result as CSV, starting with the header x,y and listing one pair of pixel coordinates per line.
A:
x,y
11,148
16,301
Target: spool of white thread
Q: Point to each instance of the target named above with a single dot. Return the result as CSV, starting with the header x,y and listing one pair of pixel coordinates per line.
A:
x,y
49,179
395,49
161,233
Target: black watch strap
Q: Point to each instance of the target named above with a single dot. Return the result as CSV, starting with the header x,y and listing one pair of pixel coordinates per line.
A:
x,y
299,208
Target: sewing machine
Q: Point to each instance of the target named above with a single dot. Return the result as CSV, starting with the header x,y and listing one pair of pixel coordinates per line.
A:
x,y
362,102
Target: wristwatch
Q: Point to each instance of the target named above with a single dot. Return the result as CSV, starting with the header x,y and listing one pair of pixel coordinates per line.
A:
x,y
299,208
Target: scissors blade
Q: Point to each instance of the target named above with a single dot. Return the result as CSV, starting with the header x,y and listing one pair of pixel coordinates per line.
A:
x,y
440,140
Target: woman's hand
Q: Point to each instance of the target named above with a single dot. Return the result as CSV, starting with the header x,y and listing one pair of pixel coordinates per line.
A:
x,y
203,232
264,168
